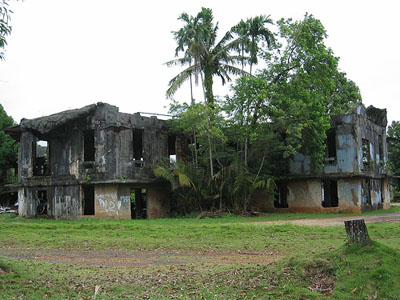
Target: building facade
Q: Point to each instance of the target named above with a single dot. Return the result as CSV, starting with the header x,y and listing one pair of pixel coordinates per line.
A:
x,y
93,161
354,178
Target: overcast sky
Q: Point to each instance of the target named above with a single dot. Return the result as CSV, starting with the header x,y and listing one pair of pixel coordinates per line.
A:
x,y
65,54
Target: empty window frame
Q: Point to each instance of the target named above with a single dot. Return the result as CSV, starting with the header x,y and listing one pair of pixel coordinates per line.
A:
x,y
40,158
88,145
329,193
138,147
331,143
366,153
380,144
88,200
172,148
281,194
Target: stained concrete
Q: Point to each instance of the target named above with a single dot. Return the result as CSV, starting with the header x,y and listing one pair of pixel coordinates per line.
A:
x,y
94,145
358,168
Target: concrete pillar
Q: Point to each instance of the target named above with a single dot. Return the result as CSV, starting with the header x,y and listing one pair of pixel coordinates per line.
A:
x,y
158,202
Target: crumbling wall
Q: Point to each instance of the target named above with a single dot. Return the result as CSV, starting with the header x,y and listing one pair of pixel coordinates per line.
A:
x,y
64,201
113,168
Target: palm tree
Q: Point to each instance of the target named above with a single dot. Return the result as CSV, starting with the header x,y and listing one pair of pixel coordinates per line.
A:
x,y
257,31
204,56
250,33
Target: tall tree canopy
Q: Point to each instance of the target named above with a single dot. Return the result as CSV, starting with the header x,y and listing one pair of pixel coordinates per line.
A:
x,y
245,142
207,57
294,95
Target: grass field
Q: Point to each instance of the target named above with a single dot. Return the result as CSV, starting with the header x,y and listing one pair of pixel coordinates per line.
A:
x,y
225,258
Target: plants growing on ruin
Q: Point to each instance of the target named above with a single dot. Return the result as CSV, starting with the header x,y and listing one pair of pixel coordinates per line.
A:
x,y
244,142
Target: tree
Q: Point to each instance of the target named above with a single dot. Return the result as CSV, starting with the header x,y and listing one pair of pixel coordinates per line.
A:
x,y
203,54
294,95
250,33
5,28
8,149
394,156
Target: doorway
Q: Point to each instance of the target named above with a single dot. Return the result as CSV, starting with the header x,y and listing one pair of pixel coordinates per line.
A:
x,y
138,203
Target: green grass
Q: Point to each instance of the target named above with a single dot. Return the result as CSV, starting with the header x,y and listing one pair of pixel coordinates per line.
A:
x,y
310,262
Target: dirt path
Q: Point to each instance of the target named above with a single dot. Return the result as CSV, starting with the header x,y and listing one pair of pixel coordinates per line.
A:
x,y
369,219
114,258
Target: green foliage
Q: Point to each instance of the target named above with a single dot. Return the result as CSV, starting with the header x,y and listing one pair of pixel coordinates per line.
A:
x,y
5,28
394,156
8,148
294,96
287,105
205,55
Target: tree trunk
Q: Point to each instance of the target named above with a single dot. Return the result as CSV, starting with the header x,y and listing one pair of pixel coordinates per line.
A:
x,y
211,157
208,85
357,232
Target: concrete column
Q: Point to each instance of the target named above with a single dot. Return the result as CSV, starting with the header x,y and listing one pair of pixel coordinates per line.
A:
x,y
158,202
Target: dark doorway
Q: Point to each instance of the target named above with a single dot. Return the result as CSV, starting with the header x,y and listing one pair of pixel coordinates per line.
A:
x,y
41,202
88,200
138,203
366,191
329,193
88,145
281,194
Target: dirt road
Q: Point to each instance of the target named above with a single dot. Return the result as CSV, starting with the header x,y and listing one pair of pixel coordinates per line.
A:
x,y
369,219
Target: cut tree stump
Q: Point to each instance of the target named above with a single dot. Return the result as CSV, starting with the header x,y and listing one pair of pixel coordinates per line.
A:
x,y
357,232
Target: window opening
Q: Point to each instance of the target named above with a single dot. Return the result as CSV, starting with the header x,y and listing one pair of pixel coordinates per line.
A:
x,y
138,203
329,193
138,147
88,198
366,191
366,159
88,145
331,144
171,148
380,143
40,157
41,202
281,193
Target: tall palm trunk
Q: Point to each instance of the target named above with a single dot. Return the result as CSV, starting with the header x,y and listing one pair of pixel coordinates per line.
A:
x,y
191,87
208,85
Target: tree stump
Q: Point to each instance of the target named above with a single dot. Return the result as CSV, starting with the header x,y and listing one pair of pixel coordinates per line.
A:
x,y
357,232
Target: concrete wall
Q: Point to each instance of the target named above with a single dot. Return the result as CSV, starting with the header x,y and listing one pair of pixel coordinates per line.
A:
x,y
113,163
305,195
112,202
158,202
64,201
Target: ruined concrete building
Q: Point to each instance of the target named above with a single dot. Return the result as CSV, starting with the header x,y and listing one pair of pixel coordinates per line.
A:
x,y
354,177
96,161
93,161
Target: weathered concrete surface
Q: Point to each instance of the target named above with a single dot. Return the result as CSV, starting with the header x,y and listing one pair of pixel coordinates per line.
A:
x,y
109,203
94,145
355,163
158,203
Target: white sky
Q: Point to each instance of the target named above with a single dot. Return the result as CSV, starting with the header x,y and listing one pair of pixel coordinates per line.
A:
x,y
65,54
